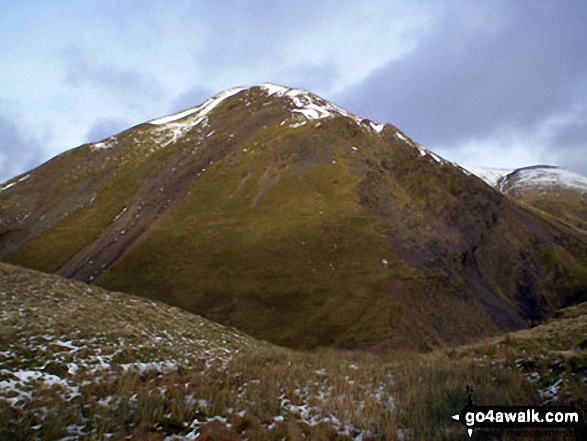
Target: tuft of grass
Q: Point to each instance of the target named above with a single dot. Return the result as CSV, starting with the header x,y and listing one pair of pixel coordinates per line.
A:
x,y
141,369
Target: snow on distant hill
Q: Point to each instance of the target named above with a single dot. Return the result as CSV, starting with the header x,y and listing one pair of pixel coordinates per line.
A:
x,y
539,176
490,175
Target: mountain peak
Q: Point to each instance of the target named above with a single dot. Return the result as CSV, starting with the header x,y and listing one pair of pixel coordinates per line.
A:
x,y
296,106
302,102
312,106
278,212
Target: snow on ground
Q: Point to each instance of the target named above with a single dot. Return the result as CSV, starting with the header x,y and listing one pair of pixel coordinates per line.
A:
x,y
378,127
7,186
423,150
168,129
99,349
89,340
172,127
201,110
312,107
104,144
20,389
12,184
73,356
490,175
271,89
537,176
93,360
401,137
541,176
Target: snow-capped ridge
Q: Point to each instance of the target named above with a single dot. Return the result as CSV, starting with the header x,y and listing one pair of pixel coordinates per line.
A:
x,y
304,103
201,110
314,107
305,106
547,176
491,176
537,176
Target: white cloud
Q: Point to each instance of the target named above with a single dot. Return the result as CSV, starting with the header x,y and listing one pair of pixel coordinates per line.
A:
x,y
449,73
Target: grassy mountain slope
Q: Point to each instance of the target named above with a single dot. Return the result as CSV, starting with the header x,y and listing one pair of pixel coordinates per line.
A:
x,y
79,362
300,230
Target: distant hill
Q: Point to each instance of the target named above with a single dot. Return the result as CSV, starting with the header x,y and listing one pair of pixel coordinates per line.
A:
x,y
552,190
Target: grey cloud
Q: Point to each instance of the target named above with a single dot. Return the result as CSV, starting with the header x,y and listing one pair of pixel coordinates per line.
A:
x,y
467,81
105,128
574,133
18,151
308,76
311,76
129,85
573,158
191,98
249,36
569,144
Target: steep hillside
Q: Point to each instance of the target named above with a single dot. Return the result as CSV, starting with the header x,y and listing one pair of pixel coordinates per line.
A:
x,y
79,362
275,211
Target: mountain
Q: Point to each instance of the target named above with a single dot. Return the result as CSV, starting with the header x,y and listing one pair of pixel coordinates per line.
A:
x,y
551,190
145,370
275,211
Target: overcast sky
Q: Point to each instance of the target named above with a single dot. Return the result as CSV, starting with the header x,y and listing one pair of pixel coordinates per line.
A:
x,y
493,83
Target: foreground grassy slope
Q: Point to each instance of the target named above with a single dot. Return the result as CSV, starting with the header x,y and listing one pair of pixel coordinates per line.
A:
x,y
79,362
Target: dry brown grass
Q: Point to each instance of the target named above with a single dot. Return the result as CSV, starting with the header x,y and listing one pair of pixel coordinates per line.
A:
x,y
220,384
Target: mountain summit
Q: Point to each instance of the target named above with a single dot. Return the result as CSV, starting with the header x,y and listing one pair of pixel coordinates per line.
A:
x,y
275,211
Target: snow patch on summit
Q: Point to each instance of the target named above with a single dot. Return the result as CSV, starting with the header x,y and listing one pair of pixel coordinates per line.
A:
x,y
201,110
378,127
271,89
172,127
312,107
104,144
